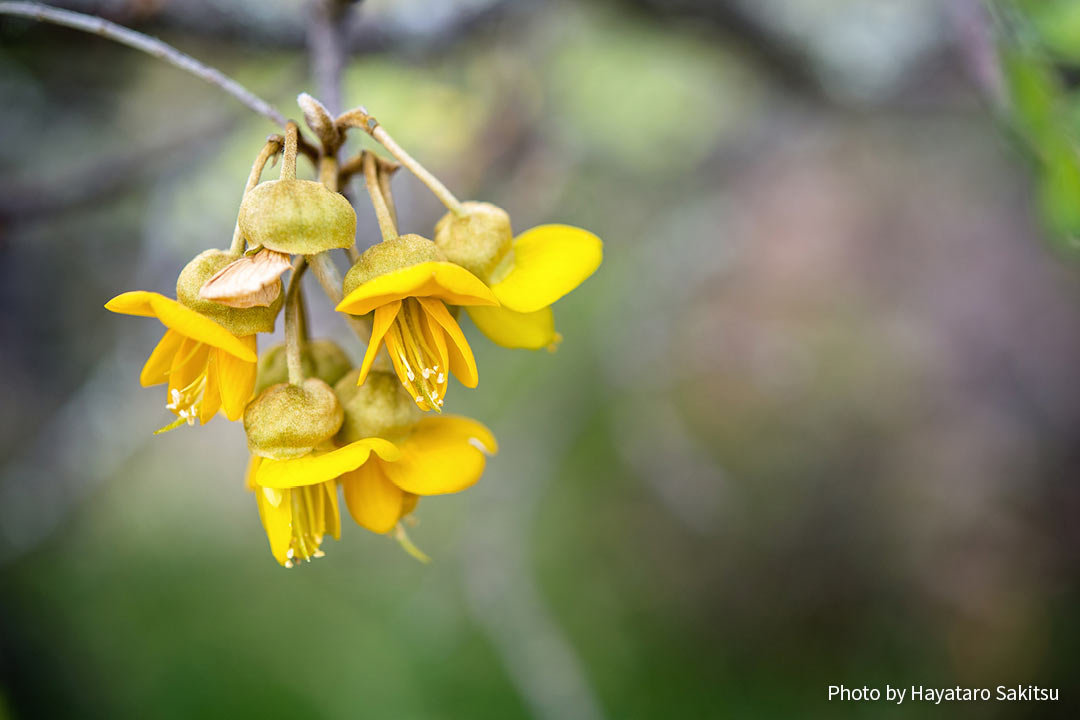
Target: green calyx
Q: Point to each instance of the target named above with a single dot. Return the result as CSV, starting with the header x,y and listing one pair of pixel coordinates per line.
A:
x,y
300,217
322,359
288,421
390,255
238,321
477,240
378,408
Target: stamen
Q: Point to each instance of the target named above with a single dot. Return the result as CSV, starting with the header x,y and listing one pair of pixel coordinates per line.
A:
x,y
186,402
409,347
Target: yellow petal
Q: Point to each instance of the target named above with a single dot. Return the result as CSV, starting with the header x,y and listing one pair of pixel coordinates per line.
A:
x,y
462,362
188,364
409,503
156,369
332,524
549,261
236,379
319,467
252,469
183,319
442,455
511,329
136,302
277,521
373,501
442,280
211,400
384,318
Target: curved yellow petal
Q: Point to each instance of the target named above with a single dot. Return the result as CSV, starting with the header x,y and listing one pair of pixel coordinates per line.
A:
x,y
319,467
435,279
442,455
156,369
136,302
211,399
276,520
252,469
332,522
236,379
511,329
384,318
462,362
183,319
549,261
374,502
188,364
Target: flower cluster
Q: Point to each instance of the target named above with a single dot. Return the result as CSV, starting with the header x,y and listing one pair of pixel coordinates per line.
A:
x,y
314,422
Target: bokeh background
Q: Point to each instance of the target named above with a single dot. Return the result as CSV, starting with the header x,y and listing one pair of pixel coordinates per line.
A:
x,y
814,420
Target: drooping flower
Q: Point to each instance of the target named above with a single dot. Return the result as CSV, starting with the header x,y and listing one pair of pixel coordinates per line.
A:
x,y
206,367
527,274
408,282
207,355
295,465
436,455
297,497
439,455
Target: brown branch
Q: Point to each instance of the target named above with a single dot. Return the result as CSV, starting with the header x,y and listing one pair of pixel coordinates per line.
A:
x,y
145,43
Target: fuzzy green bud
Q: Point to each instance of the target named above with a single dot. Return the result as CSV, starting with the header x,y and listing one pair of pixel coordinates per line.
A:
x,y
238,321
323,359
300,217
288,421
478,240
390,255
378,408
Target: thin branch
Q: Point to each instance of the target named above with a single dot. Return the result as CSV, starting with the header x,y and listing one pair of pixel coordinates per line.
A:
x,y
149,45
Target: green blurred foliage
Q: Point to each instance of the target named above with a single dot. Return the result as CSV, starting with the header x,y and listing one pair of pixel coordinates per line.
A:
x,y
1036,42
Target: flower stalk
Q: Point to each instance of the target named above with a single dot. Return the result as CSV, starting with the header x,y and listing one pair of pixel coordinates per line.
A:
x,y
382,212
293,323
288,154
359,118
269,151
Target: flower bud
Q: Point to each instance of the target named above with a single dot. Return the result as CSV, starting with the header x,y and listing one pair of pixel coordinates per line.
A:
x,y
300,217
288,421
323,359
238,321
478,240
378,408
390,255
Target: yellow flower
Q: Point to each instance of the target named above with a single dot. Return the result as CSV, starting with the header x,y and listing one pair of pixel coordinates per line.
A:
x,y
547,262
439,455
297,498
422,337
206,366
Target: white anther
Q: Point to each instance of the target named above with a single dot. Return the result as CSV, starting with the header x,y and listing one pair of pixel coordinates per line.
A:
x,y
441,379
